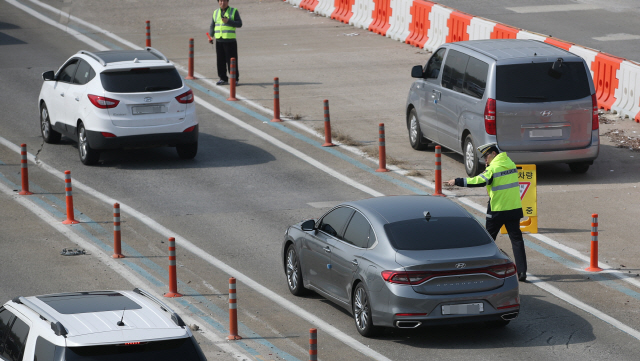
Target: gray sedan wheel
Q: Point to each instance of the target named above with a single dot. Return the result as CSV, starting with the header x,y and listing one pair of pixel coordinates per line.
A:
x,y
294,274
416,139
362,312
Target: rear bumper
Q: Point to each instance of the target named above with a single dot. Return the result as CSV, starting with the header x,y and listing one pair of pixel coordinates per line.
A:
x,y
587,154
99,142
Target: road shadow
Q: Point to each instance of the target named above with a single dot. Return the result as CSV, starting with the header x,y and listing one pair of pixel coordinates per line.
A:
x,y
213,152
5,26
9,40
540,323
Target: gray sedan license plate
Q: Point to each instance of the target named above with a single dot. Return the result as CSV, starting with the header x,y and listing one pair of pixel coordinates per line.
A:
x,y
463,309
148,109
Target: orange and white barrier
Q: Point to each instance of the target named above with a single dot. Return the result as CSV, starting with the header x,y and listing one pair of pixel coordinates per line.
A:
x,y
233,311
173,277
428,25
593,264
232,81
24,171
382,150
68,191
148,33
117,245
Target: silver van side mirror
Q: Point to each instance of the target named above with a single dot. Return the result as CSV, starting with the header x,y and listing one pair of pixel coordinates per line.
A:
x,y
416,72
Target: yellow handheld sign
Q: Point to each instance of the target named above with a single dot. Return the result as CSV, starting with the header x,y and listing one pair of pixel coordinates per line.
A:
x,y
528,195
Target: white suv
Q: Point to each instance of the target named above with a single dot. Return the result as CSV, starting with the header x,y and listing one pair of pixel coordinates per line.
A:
x,y
118,99
97,326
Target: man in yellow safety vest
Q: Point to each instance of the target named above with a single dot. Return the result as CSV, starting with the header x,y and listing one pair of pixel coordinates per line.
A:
x,y
223,27
505,206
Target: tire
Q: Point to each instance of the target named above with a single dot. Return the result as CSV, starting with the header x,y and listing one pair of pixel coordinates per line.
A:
x,y
579,168
416,139
471,161
497,323
187,151
362,312
88,155
294,273
48,134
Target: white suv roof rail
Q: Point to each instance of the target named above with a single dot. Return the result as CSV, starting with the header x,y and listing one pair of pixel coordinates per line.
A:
x,y
174,316
156,53
99,59
56,326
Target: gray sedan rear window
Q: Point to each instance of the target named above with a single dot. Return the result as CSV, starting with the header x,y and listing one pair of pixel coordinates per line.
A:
x,y
535,83
437,233
141,80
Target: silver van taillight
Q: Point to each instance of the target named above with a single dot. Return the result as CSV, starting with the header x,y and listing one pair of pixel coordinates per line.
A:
x,y
595,122
490,117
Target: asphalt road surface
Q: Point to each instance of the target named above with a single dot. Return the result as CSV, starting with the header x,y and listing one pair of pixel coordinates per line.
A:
x,y
229,207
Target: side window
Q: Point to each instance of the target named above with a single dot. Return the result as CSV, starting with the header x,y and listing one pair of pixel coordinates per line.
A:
x,y
6,318
454,68
432,69
66,74
334,221
84,74
16,338
372,238
358,231
46,351
475,78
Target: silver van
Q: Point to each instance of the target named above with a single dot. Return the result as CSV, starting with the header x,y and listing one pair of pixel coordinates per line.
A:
x,y
535,100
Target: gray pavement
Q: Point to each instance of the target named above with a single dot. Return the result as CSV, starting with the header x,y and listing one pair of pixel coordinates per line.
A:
x,y
235,200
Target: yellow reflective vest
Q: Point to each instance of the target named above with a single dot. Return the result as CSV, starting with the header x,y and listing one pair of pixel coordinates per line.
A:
x,y
501,179
222,30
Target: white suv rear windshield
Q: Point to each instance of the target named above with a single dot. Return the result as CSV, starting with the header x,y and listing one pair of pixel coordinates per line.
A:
x,y
141,80
167,350
536,83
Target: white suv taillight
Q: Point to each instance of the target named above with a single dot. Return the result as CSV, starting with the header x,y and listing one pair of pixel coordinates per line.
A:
x,y
595,122
490,117
185,98
103,102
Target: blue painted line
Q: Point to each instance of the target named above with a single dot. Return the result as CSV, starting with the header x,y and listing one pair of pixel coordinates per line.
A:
x,y
306,139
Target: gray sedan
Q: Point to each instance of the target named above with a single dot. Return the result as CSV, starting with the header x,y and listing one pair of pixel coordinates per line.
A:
x,y
403,261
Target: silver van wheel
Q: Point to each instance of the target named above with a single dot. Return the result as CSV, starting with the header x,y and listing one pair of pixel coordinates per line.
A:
x,y
416,138
470,158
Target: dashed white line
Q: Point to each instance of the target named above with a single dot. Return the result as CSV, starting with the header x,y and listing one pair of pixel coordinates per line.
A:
x,y
553,8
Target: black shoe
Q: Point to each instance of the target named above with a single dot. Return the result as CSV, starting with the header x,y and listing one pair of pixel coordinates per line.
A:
x,y
522,277
222,82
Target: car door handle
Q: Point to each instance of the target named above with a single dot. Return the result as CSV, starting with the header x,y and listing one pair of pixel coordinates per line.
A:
x,y
354,262
327,249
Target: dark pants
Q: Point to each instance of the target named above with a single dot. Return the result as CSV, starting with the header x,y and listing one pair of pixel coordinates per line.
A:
x,y
515,235
224,52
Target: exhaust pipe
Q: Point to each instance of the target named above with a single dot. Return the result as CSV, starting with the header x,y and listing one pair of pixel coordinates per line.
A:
x,y
510,316
408,324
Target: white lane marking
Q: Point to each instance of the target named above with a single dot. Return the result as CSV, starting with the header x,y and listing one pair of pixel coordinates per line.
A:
x,y
55,24
583,306
270,294
617,37
328,204
123,271
553,8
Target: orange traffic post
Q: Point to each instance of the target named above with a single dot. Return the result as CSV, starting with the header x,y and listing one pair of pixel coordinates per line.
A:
x,y
439,172
69,195
313,344
382,152
190,63
148,30
276,100
173,278
117,248
24,171
233,311
327,126
593,267
232,81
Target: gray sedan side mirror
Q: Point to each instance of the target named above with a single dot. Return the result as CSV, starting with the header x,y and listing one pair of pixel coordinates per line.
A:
x,y
416,72
308,225
48,75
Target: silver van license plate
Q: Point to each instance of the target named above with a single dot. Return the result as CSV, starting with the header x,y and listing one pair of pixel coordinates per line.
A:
x,y
149,109
463,309
545,133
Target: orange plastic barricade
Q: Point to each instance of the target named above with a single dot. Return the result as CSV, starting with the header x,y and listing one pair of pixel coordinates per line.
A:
x,y
480,29
559,43
343,11
419,26
501,31
605,69
457,24
381,14
309,4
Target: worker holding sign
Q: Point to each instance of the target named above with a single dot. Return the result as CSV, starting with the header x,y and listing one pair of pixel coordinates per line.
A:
x,y
505,207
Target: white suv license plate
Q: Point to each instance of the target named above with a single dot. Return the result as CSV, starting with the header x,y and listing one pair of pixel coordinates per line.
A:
x,y
148,109
463,309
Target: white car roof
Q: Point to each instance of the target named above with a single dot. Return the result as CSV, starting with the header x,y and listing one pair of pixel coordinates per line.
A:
x,y
125,59
91,318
